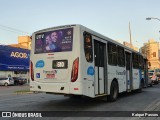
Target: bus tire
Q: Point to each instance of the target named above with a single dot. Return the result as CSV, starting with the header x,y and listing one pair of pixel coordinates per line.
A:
x,y
113,91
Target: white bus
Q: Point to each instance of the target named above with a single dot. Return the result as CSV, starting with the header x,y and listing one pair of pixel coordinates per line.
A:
x,y
74,60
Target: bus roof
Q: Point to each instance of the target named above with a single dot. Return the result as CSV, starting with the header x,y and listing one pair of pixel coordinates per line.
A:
x,y
91,32
57,27
109,39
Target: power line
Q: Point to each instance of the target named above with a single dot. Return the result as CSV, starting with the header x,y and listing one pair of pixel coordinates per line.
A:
x,y
9,30
12,29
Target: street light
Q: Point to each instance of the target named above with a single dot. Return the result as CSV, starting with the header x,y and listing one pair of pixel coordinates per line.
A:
x,y
149,18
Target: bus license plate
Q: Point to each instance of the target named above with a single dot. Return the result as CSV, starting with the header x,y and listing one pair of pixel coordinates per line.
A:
x,y
50,76
60,64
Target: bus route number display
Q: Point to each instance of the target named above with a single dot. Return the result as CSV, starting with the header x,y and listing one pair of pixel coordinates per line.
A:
x,y
60,64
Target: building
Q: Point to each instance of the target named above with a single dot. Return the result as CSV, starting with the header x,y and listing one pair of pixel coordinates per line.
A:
x,y
14,61
130,46
151,50
23,42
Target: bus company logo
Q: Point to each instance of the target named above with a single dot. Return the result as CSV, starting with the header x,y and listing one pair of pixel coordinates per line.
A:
x,y
50,72
19,55
6,114
121,73
90,71
40,64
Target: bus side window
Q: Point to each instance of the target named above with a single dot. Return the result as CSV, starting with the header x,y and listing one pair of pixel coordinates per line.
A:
x,y
88,47
135,61
121,57
128,62
141,62
112,54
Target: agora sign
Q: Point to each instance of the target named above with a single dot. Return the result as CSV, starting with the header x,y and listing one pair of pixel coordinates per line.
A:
x,y
19,55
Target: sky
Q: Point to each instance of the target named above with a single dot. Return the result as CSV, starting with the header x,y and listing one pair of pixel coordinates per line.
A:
x,y
108,17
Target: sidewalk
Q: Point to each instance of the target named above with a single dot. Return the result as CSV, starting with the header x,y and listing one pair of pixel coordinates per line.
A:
x,y
154,106
10,90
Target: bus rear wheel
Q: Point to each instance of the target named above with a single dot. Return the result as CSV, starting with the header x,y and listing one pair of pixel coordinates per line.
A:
x,y
113,92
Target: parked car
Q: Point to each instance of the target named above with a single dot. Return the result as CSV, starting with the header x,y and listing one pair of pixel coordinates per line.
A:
x,y
6,81
150,83
153,78
155,73
25,80
158,75
19,81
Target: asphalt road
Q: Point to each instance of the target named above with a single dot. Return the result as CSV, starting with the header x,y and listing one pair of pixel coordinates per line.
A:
x,y
148,100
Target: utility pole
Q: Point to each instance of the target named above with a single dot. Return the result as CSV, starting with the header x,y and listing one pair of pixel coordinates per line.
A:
x,y
130,35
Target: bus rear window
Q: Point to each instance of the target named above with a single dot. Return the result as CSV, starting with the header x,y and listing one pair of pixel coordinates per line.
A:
x,y
54,41
88,47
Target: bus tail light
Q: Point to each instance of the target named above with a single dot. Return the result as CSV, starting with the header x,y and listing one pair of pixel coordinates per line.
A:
x,y
74,74
31,71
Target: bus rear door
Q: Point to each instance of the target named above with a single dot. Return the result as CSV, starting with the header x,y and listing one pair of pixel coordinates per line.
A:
x,y
99,56
128,71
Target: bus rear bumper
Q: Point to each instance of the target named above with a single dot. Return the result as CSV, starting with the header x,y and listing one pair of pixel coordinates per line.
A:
x,y
56,88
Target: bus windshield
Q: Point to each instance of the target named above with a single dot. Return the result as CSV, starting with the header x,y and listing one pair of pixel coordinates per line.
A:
x,y
54,41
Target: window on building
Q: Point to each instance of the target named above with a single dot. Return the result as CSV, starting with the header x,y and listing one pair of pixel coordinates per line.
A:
x,y
149,63
154,54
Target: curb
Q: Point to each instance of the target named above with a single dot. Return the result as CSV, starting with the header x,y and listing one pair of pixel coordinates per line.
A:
x,y
23,93
31,92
